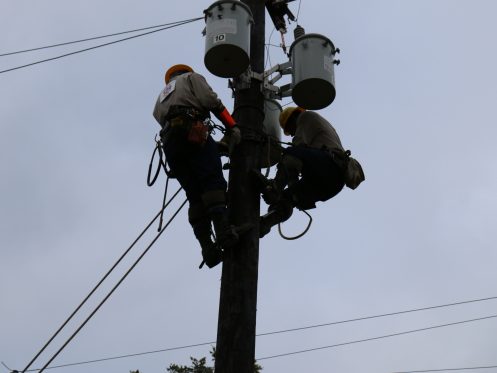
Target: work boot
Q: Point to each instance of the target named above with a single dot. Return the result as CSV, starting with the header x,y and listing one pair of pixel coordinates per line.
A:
x,y
226,234
271,194
277,213
211,253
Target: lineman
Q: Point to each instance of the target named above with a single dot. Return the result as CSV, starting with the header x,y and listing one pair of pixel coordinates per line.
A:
x,y
318,156
191,153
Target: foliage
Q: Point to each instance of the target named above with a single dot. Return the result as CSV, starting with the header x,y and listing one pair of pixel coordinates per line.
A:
x,y
199,366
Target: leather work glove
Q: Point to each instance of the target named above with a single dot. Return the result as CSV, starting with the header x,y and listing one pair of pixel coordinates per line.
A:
x,y
231,139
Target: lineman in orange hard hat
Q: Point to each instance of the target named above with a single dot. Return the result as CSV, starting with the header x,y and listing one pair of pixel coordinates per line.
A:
x,y
315,168
191,153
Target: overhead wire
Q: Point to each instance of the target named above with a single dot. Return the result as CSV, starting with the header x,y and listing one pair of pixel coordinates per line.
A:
x,y
88,39
268,57
447,369
114,288
95,288
180,23
127,355
169,25
293,330
298,12
381,315
373,338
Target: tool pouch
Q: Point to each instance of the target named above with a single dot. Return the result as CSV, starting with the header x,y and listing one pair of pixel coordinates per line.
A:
x,y
198,133
352,171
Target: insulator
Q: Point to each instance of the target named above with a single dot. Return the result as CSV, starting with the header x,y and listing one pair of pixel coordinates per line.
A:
x,y
298,32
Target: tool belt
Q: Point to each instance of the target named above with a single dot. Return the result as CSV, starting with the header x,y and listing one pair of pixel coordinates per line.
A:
x,y
352,170
185,123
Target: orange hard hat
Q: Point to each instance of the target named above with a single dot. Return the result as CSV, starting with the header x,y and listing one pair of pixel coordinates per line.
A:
x,y
176,69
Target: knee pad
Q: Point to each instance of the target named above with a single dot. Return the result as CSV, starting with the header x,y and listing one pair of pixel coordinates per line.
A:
x,y
284,209
291,164
290,167
196,213
214,199
300,201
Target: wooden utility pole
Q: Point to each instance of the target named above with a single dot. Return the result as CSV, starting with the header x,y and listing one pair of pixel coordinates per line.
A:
x,y
235,349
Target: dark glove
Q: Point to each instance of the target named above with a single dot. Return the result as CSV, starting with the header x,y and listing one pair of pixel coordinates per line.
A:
x,y
231,139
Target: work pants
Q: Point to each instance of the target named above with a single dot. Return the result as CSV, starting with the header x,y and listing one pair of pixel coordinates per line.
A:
x,y
197,168
321,178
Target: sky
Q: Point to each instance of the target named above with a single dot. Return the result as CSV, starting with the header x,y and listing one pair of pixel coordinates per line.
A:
x,y
416,93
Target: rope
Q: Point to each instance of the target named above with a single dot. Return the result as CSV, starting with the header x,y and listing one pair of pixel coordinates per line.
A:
x,y
114,288
100,282
162,163
158,149
301,234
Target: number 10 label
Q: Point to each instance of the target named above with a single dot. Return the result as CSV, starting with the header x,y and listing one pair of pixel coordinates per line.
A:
x,y
219,38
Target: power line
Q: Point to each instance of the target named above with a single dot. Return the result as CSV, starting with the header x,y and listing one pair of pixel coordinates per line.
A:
x,y
279,355
142,255
127,355
180,23
374,338
273,332
298,11
268,58
446,369
380,315
88,39
95,288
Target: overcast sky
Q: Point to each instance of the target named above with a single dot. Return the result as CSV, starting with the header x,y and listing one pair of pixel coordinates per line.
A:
x,y
416,96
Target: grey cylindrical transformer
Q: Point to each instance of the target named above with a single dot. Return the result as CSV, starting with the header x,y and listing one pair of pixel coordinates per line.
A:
x,y
270,152
227,39
313,79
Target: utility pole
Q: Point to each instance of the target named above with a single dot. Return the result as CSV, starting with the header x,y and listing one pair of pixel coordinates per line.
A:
x,y
235,349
